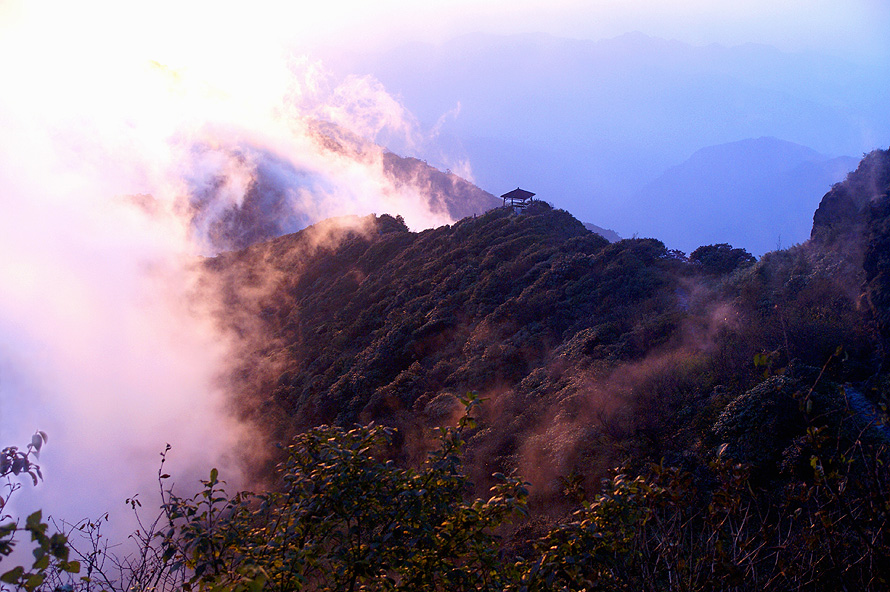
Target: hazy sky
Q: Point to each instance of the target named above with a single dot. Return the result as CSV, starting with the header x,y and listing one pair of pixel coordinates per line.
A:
x,y
853,27
67,47
202,32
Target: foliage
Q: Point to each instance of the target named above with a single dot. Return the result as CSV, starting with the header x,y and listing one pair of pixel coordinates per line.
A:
x,y
15,462
668,530
373,328
345,518
721,258
50,550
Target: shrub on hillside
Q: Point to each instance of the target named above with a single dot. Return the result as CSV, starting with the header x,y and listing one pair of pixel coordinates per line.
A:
x,y
721,258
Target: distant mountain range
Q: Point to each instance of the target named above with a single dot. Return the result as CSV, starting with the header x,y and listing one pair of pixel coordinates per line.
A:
x,y
752,193
609,235
444,191
271,204
588,124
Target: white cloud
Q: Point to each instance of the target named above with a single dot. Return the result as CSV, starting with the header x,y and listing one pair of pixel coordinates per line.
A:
x,y
101,342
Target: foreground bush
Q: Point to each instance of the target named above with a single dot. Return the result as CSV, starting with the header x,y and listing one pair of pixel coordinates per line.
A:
x,y
345,518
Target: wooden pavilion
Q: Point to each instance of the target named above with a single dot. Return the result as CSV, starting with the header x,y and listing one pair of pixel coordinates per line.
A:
x,y
518,198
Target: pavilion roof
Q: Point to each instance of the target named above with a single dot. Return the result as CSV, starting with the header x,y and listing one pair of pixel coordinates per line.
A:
x,y
518,194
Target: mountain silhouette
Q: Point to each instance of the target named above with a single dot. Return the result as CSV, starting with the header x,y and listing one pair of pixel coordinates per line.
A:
x,y
758,194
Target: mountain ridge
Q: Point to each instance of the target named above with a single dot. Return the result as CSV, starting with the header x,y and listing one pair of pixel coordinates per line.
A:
x,y
580,347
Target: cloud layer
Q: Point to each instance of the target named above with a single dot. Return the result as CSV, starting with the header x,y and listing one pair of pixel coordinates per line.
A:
x,y
125,156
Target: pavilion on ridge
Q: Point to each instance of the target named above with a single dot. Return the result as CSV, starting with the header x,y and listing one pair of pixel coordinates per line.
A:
x,y
518,199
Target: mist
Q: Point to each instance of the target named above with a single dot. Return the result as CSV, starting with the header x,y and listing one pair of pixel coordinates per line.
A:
x,y
122,167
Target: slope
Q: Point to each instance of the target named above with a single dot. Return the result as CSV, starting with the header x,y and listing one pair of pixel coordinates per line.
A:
x,y
588,354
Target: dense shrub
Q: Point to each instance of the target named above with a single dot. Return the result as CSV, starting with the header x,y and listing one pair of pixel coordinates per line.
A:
x,y
721,258
345,517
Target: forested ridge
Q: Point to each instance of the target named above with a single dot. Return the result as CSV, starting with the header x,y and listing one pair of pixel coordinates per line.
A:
x,y
573,342
513,403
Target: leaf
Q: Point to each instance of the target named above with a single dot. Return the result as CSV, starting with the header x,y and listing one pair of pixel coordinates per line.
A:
x,y
58,546
37,444
34,581
33,520
213,475
13,575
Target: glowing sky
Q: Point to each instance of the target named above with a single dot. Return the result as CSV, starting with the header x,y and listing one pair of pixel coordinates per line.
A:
x,y
217,35
94,54
853,27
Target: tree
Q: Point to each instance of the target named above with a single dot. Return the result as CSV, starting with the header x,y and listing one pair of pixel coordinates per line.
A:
x,y
721,258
